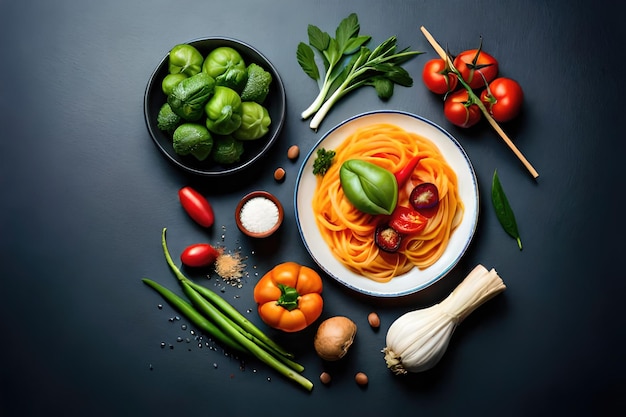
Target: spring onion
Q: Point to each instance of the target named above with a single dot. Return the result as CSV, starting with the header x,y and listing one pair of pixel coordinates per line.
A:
x,y
348,64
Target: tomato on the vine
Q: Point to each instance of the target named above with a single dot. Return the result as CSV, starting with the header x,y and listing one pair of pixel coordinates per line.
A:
x,y
437,76
503,99
460,110
474,62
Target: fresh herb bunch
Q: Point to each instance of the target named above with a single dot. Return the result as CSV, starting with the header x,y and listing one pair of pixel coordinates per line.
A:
x,y
347,64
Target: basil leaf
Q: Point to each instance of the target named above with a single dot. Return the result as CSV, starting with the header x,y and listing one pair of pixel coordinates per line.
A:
x,y
504,212
370,188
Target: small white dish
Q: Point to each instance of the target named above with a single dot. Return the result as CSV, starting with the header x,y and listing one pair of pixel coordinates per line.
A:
x,y
262,219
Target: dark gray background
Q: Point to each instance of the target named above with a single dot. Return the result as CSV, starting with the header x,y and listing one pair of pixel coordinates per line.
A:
x,y
86,194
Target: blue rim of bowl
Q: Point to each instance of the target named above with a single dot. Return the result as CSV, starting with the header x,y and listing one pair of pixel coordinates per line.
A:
x,y
445,271
226,170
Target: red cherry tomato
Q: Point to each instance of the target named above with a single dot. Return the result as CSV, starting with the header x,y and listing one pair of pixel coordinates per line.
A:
x,y
196,206
474,62
407,221
437,78
199,255
503,99
459,111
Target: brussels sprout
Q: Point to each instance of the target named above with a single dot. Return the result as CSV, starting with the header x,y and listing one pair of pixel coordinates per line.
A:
x,y
223,111
190,95
167,120
258,85
227,150
185,59
193,139
370,188
170,81
227,66
255,121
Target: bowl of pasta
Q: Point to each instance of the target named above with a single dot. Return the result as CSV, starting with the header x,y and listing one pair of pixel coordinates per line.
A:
x,y
341,240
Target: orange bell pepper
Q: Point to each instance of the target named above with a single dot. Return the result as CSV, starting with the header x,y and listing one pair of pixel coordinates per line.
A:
x,y
289,297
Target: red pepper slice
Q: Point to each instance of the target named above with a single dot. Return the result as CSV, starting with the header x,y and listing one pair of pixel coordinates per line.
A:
x,y
405,173
196,206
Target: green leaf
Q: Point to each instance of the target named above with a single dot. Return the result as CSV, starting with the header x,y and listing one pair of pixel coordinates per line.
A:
x,y
504,212
355,44
306,59
332,53
348,28
383,87
404,56
385,48
318,39
399,76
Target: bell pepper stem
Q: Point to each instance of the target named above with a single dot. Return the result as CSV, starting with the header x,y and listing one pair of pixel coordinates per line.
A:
x,y
288,297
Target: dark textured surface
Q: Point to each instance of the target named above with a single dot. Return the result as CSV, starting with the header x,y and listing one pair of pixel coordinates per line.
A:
x,y
86,194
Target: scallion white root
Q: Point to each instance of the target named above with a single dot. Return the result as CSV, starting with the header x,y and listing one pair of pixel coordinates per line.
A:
x,y
417,340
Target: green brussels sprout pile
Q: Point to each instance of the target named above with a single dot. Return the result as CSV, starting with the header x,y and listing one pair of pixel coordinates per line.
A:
x,y
214,104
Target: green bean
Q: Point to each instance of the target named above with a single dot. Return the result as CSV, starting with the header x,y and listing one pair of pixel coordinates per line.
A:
x,y
211,312
194,316
252,347
239,318
223,305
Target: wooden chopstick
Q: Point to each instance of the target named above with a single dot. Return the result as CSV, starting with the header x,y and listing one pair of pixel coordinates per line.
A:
x,y
442,53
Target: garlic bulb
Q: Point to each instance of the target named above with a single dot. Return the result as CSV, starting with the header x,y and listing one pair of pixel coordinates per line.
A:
x,y
417,340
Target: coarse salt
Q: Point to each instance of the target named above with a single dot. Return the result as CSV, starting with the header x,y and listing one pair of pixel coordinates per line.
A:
x,y
259,214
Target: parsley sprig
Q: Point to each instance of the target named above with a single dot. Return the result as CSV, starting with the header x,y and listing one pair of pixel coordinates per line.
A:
x,y
323,161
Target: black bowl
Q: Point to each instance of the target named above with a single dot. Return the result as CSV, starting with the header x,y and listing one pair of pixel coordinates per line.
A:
x,y
275,103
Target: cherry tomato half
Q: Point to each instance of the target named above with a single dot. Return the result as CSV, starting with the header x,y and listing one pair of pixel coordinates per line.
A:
x,y
196,206
424,196
437,77
459,111
199,255
387,238
425,199
407,221
503,99
474,62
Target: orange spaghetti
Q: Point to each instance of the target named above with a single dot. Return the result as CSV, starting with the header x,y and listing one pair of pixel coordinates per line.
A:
x,y
350,233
